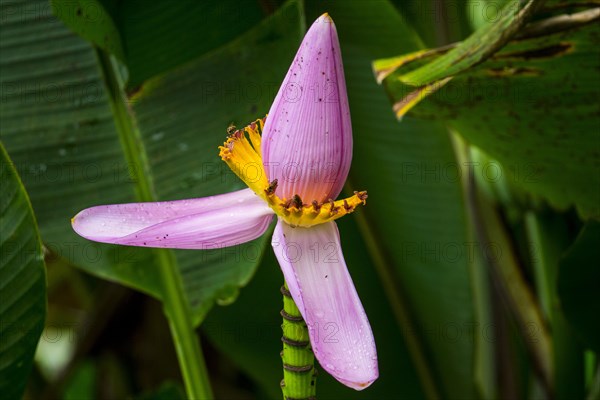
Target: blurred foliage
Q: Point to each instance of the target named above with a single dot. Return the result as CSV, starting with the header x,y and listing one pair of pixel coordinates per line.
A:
x,y
77,147
22,282
522,94
577,284
470,258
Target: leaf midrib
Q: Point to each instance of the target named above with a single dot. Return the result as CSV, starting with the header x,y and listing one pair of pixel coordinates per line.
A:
x,y
176,303
127,130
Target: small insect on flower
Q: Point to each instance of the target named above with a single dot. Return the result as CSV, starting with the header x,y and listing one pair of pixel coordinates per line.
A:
x,y
231,129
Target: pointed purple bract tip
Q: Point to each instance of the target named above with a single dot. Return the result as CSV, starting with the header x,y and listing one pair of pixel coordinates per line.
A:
x,y
307,138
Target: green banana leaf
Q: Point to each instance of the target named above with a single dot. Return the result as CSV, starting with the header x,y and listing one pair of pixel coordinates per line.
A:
x,y
90,20
438,22
68,127
532,105
22,282
152,37
477,47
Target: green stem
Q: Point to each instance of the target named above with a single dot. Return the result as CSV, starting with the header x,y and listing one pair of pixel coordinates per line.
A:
x,y
191,360
176,305
299,373
485,357
544,271
506,273
486,360
547,241
594,387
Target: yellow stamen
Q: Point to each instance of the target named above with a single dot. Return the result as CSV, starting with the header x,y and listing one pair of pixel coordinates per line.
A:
x,y
296,213
241,152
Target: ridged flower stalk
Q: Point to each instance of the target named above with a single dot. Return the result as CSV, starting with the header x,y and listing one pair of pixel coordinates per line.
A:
x,y
299,373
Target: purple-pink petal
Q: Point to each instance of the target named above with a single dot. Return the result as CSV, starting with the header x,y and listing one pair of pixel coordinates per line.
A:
x,y
203,223
314,268
307,138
